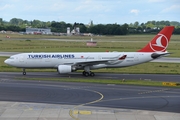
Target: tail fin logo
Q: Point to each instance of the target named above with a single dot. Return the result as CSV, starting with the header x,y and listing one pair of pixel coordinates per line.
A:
x,y
160,43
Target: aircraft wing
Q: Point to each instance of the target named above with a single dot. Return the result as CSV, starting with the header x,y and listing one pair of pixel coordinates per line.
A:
x,y
95,62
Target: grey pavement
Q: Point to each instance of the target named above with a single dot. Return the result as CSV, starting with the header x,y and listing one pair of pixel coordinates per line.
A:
x,y
50,100
40,111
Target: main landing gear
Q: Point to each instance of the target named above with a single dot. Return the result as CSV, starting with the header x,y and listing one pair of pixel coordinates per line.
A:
x,y
24,71
88,73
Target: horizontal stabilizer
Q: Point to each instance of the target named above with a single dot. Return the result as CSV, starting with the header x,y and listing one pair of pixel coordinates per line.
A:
x,y
157,55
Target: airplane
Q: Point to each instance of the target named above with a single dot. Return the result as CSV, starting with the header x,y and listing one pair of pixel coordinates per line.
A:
x,y
72,61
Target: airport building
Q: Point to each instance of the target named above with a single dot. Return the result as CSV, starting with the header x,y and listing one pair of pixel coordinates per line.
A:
x,y
38,31
75,31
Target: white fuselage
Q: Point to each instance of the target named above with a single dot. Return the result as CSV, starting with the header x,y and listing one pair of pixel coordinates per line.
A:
x,y
53,60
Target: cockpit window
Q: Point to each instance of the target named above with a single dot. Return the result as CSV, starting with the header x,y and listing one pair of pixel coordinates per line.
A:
x,y
11,58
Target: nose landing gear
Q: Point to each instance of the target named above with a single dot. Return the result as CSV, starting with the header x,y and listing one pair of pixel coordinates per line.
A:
x,y
24,71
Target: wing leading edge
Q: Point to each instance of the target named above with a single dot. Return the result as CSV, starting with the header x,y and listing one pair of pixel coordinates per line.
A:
x,y
95,62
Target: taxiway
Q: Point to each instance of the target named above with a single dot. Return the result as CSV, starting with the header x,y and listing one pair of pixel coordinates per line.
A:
x,y
26,99
115,76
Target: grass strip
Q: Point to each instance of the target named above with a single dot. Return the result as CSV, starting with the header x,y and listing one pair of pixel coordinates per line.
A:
x,y
111,43
100,81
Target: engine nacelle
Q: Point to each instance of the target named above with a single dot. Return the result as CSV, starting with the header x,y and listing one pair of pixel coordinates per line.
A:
x,y
65,69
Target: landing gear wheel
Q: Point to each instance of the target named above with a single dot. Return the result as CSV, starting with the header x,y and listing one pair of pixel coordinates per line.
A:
x,y
86,74
24,73
92,74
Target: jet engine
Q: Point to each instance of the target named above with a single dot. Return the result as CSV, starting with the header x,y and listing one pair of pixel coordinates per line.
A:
x,y
65,69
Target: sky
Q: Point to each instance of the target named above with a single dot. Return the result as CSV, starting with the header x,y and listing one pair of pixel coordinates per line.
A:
x,y
99,11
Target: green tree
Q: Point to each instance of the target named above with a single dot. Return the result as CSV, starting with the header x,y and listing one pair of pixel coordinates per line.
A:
x,y
174,23
136,24
149,25
36,23
125,29
153,22
16,21
1,21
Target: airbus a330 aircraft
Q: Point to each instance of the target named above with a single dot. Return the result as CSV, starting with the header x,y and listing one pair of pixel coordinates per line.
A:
x,y
87,61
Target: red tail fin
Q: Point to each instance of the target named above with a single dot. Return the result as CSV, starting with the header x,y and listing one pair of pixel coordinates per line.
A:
x,y
160,42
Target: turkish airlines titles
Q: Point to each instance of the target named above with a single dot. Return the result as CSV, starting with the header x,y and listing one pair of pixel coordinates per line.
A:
x,y
59,56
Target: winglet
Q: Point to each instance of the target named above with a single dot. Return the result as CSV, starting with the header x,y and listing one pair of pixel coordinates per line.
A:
x,y
160,42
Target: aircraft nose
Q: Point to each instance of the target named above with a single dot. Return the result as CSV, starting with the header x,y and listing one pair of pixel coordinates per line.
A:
x,y
6,61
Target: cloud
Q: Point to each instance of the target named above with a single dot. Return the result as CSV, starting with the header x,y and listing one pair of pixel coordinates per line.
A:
x,y
171,8
7,6
90,6
57,7
100,11
134,11
155,1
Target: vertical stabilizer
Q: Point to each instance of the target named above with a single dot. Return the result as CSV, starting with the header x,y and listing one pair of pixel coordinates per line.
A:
x,y
160,42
